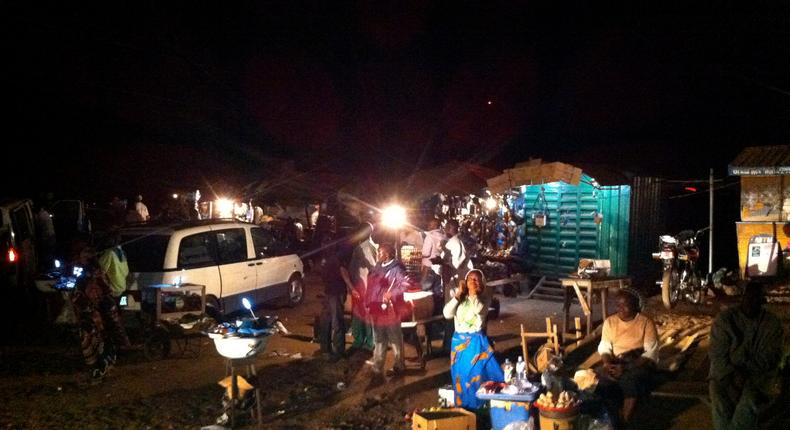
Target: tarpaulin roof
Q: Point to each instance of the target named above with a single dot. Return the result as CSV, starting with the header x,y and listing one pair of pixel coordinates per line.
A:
x,y
762,161
452,178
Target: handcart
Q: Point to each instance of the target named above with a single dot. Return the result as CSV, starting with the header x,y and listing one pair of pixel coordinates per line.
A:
x,y
172,314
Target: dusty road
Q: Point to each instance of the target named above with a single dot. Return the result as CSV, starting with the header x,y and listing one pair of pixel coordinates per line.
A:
x,y
44,387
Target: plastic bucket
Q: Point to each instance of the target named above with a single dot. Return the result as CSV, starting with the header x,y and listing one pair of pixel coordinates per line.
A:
x,y
550,420
504,412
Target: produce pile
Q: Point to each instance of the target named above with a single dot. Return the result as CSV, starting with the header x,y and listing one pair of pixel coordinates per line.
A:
x,y
565,402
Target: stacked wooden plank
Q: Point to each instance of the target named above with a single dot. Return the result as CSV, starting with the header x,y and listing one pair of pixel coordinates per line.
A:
x,y
534,172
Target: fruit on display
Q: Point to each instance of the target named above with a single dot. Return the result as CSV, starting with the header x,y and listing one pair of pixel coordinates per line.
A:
x,y
565,401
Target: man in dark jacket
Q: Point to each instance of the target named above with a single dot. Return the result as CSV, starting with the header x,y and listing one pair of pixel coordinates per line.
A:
x,y
384,299
745,349
334,275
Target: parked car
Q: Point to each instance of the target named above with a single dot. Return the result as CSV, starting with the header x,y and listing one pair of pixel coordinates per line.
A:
x,y
17,242
232,259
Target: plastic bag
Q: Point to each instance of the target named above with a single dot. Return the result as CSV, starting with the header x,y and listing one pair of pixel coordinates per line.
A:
x,y
521,425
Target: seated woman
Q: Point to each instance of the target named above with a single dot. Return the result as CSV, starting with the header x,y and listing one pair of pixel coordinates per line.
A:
x,y
472,359
629,351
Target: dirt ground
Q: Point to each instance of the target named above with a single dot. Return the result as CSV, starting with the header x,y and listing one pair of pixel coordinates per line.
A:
x,y
44,384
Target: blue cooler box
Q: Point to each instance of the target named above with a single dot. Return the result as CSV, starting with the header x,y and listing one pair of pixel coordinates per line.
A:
x,y
505,409
504,412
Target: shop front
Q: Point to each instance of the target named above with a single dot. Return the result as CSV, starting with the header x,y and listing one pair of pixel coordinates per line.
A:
x,y
764,227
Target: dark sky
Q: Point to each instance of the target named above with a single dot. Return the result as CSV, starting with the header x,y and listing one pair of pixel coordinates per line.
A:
x,y
153,97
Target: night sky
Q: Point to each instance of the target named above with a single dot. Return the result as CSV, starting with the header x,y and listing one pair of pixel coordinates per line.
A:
x,y
107,101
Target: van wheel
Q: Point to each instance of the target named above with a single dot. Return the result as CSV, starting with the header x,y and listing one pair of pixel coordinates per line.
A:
x,y
213,309
295,290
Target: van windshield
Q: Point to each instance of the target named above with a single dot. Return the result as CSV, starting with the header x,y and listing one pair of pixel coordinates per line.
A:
x,y
146,253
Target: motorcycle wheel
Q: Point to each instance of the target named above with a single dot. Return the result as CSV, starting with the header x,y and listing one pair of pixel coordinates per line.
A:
x,y
698,290
669,286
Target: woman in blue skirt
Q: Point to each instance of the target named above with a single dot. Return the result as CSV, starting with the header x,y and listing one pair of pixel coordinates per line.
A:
x,y
472,359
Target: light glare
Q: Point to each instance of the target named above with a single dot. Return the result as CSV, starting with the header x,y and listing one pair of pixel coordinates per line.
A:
x,y
393,216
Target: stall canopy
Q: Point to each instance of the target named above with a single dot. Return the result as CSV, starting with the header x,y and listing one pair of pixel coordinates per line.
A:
x,y
452,178
762,161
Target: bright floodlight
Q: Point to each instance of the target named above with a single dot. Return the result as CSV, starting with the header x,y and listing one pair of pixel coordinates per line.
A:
x,y
491,203
393,216
225,208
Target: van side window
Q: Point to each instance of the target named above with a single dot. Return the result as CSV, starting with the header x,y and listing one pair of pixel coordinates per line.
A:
x,y
231,245
196,250
264,243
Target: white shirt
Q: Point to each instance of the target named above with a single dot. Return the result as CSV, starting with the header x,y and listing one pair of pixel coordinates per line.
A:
x,y
142,210
455,254
313,218
469,315
432,247
620,336
362,260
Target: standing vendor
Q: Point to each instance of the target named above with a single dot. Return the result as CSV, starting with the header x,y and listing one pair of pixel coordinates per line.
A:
x,y
100,328
629,351
472,359
363,259
431,272
384,299
457,265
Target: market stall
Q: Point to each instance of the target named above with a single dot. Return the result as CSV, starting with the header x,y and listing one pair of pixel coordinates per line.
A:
x,y
563,215
764,230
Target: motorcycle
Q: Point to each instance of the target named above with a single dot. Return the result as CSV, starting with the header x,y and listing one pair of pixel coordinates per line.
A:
x,y
681,278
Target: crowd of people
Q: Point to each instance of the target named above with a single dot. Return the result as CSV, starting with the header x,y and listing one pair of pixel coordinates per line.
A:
x,y
371,274
744,352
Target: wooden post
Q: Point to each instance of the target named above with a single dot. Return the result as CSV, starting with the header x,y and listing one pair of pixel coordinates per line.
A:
x,y
555,340
578,325
524,345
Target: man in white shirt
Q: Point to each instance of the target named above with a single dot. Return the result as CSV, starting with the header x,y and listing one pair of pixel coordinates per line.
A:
x,y
431,271
457,261
314,216
141,209
456,265
629,352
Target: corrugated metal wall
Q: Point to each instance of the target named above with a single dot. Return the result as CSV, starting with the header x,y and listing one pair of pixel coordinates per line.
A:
x,y
571,232
648,221
613,240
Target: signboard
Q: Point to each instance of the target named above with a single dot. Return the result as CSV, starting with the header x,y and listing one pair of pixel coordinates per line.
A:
x,y
758,171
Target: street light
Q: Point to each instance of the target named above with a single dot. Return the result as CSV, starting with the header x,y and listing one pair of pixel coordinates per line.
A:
x,y
393,217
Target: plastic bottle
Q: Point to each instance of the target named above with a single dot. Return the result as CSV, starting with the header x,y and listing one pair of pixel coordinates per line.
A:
x,y
507,369
521,367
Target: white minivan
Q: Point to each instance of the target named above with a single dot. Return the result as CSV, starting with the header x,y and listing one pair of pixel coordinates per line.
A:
x,y
232,259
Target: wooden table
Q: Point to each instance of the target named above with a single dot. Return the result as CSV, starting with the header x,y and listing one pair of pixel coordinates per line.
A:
x,y
425,324
598,286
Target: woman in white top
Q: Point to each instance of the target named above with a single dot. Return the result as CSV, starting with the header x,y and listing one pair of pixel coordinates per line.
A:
x,y
472,359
